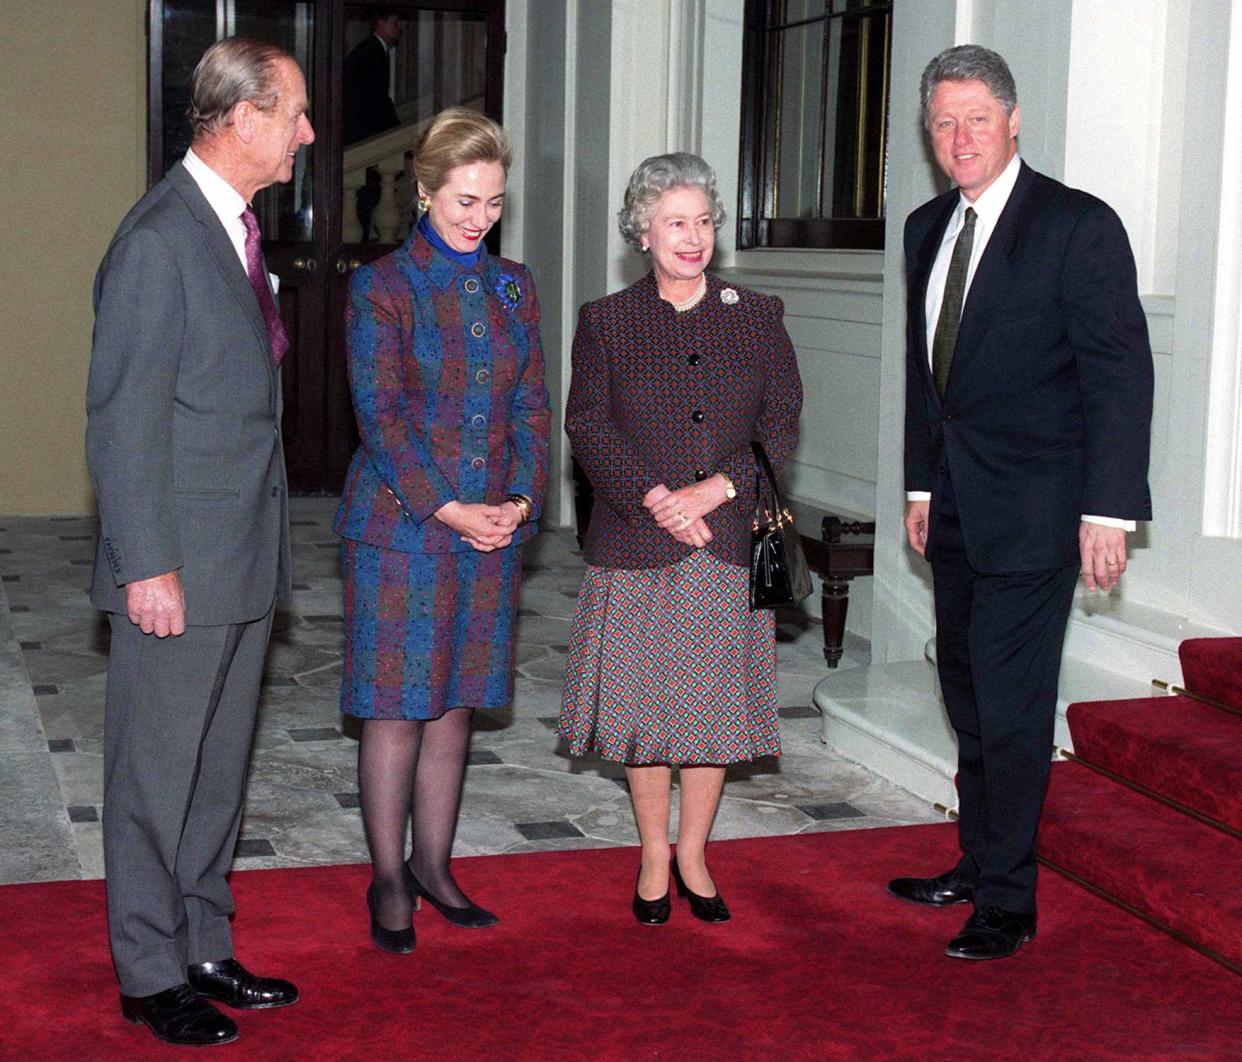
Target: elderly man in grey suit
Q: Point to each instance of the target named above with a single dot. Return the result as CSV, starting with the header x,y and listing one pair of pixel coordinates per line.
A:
x,y
184,448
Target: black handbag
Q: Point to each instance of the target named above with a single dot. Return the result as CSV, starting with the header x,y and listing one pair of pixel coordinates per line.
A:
x,y
778,571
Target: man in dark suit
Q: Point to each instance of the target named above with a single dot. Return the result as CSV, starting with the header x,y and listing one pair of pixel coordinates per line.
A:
x,y
368,106
1028,412
184,449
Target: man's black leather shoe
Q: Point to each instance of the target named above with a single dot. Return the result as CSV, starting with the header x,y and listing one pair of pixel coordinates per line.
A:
x,y
229,982
179,1015
992,933
941,891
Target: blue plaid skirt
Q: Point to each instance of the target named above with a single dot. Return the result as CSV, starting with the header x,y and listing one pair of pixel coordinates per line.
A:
x,y
427,632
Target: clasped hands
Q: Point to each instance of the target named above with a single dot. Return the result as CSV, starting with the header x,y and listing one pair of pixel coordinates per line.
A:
x,y
484,527
681,512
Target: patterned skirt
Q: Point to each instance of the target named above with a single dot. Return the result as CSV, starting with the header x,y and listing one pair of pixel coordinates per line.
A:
x,y
426,632
669,666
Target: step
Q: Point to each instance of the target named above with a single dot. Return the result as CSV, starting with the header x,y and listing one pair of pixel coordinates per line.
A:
x,y
890,719
1178,872
1212,667
1174,746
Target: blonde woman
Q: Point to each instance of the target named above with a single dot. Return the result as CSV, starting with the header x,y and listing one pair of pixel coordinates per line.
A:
x,y
446,371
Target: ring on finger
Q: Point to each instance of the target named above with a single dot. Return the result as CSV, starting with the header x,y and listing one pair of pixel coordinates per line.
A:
x,y
683,519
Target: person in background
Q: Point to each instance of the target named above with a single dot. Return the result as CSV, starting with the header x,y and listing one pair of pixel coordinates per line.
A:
x,y
446,369
368,107
668,668
184,448
1028,423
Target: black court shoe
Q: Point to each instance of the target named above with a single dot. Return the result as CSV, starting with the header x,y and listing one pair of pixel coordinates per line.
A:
x,y
472,916
651,912
707,908
397,941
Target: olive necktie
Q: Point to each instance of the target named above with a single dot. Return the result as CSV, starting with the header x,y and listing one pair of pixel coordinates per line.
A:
x,y
945,337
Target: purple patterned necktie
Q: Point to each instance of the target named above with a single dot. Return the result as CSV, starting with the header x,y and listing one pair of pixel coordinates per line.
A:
x,y
257,273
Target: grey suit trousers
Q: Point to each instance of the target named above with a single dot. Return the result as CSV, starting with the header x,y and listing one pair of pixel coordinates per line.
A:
x,y
178,726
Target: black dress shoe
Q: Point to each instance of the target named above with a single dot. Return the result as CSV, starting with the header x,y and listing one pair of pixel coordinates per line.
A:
x,y
992,933
472,916
706,908
179,1015
398,941
229,982
941,891
651,912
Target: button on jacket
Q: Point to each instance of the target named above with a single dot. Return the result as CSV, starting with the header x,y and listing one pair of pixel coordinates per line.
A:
x,y
662,397
446,369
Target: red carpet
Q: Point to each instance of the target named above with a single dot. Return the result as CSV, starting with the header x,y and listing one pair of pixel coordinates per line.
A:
x,y
1212,667
1179,748
1181,872
819,963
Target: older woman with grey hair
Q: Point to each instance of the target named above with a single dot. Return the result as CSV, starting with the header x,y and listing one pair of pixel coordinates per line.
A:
x,y
668,668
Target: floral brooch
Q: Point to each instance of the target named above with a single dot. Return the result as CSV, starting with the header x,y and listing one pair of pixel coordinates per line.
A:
x,y
508,289
728,296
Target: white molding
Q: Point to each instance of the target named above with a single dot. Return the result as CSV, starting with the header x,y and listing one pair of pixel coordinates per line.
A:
x,y
684,117
1222,478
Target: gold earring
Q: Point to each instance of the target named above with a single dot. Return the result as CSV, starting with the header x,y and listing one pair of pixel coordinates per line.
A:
x,y
424,203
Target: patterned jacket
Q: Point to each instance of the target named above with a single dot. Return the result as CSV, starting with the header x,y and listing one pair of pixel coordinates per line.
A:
x,y
446,370
662,397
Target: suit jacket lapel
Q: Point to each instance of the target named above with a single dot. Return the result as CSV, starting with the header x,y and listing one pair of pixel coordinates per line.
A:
x,y
989,297
925,258
225,256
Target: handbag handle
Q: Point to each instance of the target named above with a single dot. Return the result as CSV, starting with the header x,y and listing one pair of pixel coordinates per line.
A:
x,y
764,466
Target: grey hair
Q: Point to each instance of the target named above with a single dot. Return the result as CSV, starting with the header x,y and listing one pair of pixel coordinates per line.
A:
x,y
969,62
654,177
232,70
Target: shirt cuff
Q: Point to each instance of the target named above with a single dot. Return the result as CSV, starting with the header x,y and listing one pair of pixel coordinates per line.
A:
x,y
918,495
1110,521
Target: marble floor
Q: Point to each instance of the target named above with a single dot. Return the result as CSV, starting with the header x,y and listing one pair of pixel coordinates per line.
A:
x,y
522,792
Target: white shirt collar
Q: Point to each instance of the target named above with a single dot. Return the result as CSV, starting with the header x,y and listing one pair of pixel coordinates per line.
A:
x,y
992,201
223,198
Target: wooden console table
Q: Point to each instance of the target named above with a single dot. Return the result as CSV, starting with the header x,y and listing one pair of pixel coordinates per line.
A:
x,y
837,550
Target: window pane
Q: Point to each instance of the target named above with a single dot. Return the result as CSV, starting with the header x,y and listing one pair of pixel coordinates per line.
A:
x,y
801,104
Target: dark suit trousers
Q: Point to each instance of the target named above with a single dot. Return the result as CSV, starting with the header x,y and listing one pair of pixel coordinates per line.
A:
x,y
177,731
998,650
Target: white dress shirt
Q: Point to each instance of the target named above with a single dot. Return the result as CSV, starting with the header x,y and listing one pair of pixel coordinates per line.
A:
x,y
988,208
223,198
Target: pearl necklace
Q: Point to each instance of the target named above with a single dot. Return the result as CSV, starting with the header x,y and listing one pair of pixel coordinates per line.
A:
x,y
692,301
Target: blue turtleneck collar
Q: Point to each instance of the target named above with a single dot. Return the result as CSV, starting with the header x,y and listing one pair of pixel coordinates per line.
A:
x,y
466,258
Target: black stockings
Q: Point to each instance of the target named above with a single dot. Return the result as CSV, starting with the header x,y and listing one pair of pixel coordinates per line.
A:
x,y
412,770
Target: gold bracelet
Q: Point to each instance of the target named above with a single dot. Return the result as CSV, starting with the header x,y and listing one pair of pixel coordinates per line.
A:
x,y
525,506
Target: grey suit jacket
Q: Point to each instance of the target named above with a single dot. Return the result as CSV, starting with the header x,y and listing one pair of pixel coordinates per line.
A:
x,y
183,416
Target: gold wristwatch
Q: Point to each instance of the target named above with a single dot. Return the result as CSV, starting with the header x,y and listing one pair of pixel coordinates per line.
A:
x,y
730,489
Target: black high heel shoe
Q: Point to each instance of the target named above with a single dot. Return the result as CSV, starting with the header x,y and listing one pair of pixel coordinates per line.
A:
x,y
397,941
651,912
472,916
707,908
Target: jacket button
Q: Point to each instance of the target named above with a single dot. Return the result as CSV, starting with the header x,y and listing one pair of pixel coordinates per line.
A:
x,y
699,475
478,330
275,492
478,420
694,359
471,285
482,376
477,463
697,416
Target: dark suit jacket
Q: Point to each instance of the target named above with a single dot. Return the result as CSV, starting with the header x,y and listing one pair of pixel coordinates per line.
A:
x,y
662,397
1047,411
183,416
368,109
